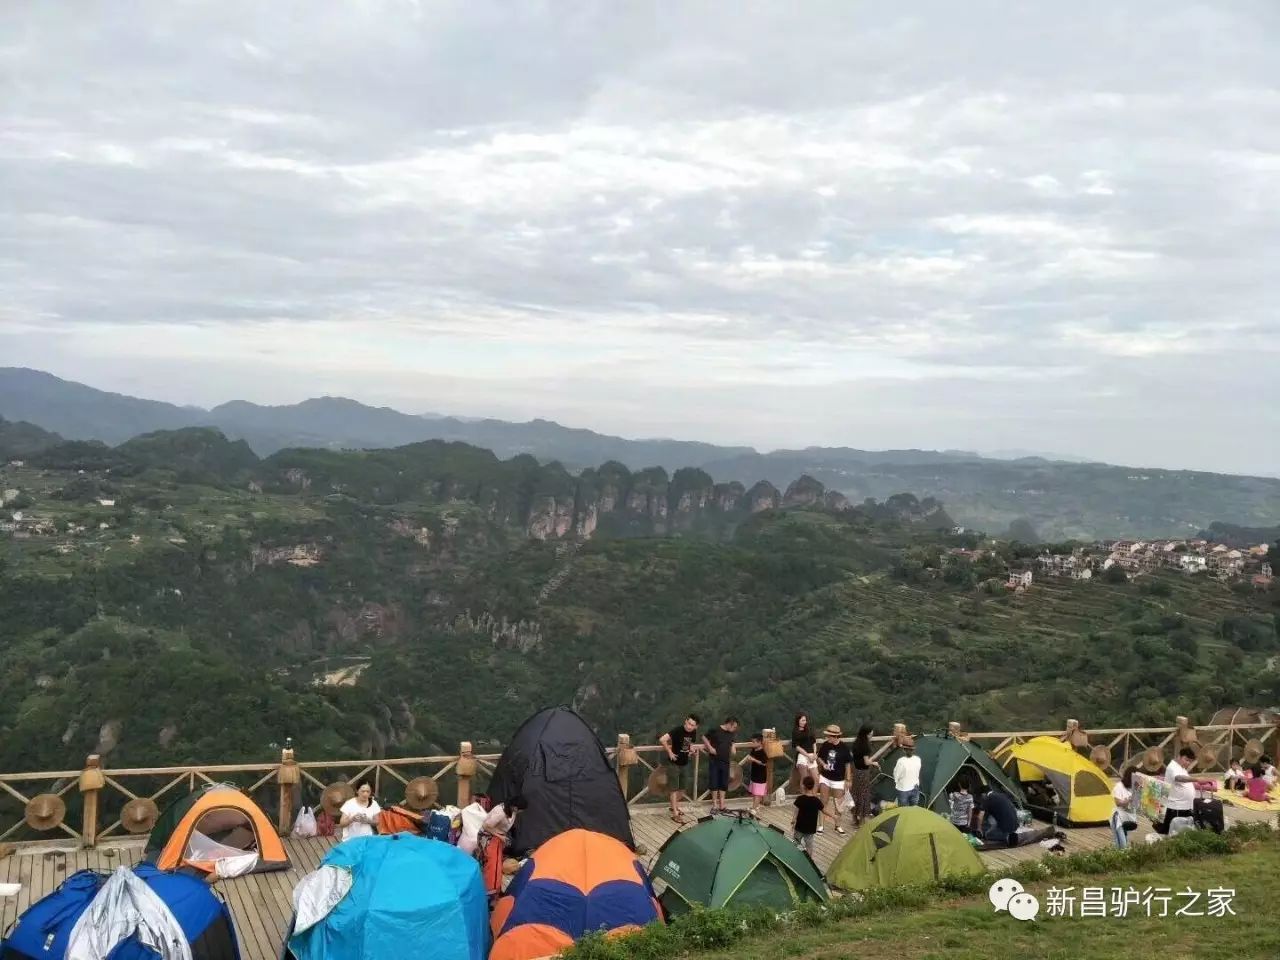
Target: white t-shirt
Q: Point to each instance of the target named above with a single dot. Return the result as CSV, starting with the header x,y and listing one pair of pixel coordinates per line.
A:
x,y
1122,796
906,773
1182,796
353,808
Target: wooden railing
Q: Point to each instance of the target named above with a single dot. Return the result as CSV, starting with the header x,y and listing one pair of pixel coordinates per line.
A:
x,y
72,805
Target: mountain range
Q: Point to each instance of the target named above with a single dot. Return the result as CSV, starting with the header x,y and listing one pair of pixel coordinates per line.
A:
x,y
1059,498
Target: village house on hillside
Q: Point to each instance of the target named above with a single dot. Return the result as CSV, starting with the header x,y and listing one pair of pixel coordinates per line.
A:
x,y
1138,557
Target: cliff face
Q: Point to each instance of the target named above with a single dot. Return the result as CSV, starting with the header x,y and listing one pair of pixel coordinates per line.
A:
x,y
545,500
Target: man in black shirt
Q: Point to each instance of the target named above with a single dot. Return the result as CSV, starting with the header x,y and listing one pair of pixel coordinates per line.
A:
x,y
999,819
679,744
833,771
720,744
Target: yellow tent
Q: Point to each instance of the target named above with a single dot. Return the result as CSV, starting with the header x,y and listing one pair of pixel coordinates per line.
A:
x,y
1083,789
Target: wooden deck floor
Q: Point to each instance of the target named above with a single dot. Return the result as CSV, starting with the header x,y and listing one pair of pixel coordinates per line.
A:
x,y
261,904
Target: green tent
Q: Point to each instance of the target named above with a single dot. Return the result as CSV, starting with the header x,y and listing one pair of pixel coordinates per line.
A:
x,y
942,758
734,861
903,845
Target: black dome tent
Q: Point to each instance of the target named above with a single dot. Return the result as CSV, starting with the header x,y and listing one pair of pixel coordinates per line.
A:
x,y
558,764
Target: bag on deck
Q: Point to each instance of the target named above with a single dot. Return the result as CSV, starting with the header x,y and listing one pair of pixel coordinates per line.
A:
x,y
305,823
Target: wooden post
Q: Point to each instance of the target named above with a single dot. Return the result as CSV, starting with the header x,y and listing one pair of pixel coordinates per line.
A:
x,y
953,728
899,733
625,759
466,770
288,777
92,780
772,748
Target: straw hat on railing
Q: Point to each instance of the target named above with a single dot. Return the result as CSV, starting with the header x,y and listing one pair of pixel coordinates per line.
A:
x,y
1151,761
335,795
658,785
45,811
421,793
140,815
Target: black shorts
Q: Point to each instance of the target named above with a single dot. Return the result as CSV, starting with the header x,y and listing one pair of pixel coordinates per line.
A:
x,y
719,775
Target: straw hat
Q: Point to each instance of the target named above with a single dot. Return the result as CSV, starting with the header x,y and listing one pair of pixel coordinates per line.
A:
x,y
421,793
45,811
335,795
1101,756
658,784
1152,760
833,730
139,816
735,777
1252,751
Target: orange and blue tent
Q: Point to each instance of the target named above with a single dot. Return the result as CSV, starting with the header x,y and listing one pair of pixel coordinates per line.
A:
x,y
576,883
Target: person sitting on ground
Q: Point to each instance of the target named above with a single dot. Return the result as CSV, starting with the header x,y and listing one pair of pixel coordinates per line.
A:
x,y
999,819
1234,778
906,775
759,779
1256,784
1180,789
359,816
1122,818
678,742
1268,771
720,745
809,810
961,802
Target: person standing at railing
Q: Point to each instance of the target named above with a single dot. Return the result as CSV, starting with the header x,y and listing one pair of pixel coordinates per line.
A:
x,y
679,742
833,769
359,815
802,746
862,763
719,743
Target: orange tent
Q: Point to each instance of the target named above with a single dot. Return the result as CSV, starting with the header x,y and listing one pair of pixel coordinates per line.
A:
x,y
214,824
576,883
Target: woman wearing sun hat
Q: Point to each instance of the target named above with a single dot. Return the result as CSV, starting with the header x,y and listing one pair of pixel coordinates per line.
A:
x,y
833,770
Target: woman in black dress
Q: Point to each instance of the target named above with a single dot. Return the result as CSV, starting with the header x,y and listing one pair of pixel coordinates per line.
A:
x,y
862,774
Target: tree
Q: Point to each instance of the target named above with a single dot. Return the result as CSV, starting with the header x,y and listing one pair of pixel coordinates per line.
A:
x,y
1115,574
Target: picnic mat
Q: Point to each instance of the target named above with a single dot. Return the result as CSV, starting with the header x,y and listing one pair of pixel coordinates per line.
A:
x,y
1270,805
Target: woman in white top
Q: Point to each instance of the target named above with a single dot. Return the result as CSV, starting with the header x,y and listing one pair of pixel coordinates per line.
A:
x,y
1122,794
359,816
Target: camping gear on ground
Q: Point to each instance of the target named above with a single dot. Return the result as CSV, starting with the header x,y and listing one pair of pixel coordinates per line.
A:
x,y
559,766
304,824
1022,837
943,758
407,897
903,845
440,825
138,914
1207,814
326,824
576,883
400,820
214,824
492,852
1083,789
733,860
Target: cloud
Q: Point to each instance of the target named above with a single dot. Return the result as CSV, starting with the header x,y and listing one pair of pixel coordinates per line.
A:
x,y
518,209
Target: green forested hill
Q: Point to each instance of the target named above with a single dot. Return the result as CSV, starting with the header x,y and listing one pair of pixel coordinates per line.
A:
x,y
176,599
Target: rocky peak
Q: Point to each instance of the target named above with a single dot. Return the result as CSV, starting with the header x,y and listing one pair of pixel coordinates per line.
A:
x,y
804,492
763,496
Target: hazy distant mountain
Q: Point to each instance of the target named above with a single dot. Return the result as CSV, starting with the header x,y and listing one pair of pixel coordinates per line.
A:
x,y
78,412
1061,497
1035,455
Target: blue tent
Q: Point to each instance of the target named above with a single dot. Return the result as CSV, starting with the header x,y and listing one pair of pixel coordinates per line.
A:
x,y
409,896
43,930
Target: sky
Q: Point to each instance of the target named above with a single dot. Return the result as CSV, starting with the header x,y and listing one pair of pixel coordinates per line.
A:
x,y
981,225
